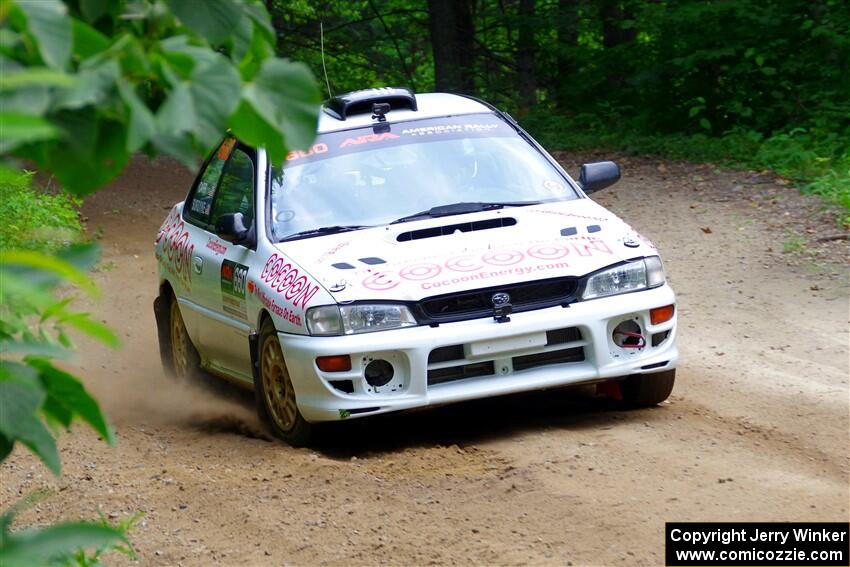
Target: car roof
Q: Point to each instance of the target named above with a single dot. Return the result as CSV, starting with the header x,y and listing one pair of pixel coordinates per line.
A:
x,y
429,105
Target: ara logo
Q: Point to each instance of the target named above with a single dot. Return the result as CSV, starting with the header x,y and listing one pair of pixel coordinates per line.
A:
x,y
368,138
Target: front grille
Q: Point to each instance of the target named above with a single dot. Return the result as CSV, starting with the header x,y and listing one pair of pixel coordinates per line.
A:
x,y
545,358
452,373
445,354
451,362
478,303
561,336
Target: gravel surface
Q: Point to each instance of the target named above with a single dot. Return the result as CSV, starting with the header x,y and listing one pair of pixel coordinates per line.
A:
x,y
756,429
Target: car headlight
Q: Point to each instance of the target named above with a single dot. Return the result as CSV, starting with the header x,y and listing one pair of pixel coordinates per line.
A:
x,y
640,274
329,320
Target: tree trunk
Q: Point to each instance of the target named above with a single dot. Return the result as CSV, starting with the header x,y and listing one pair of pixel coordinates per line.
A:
x,y
525,57
567,26
452,30
613,16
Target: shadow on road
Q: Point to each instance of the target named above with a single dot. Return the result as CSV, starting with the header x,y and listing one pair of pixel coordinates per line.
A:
x,y
456,424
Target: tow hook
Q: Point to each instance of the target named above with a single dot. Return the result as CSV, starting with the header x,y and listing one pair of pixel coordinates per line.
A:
x,y
609,389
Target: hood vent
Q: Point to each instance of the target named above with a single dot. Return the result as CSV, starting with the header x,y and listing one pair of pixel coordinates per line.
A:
x,y
434,231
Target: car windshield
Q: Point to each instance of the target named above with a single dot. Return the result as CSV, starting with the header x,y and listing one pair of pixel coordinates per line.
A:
x,y
380,174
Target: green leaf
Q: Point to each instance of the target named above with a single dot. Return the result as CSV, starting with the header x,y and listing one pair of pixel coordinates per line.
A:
x,y
6,446
178,146
258,51
60,267
48,22
212,21
23,348
99,331
202,105
93,9
142,126
95,82
35,76
295,99
94,153
243,32
31,101
55,309
55,412
34,547
258,14
279,110
17,129
250,127
67,391
87,40
20,401
177,113
705,123
215,92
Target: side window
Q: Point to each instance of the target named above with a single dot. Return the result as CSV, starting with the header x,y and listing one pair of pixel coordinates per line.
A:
x,y
236,189
199,205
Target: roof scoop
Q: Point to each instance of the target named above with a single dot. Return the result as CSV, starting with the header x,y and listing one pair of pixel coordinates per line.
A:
x,y
364,102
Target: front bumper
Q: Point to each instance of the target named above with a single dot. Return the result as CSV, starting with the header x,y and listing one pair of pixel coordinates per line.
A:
x,y
523,356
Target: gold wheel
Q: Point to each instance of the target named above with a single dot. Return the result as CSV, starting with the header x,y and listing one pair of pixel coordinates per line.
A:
x,y
179,342
277,387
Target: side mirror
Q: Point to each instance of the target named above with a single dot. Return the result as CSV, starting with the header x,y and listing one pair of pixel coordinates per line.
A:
x,y
231,227
599,175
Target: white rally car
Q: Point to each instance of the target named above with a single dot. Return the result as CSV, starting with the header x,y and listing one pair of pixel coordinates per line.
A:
x,y
425,250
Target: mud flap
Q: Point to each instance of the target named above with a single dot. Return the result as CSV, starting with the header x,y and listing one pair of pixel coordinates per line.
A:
x,y
162,313
254,348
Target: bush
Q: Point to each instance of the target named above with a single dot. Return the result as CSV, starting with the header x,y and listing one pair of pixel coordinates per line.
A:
x,y
817,159
32,218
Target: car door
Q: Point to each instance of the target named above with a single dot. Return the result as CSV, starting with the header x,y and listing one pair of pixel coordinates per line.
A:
x,y
224,266
196,289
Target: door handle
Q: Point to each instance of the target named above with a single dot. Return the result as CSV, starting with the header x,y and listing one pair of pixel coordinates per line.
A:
x,y
198,264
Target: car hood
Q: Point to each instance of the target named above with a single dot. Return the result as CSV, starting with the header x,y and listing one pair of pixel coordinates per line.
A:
x,y
413,260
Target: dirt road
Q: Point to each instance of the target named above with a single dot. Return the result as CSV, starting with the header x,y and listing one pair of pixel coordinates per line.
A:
x,y
756,429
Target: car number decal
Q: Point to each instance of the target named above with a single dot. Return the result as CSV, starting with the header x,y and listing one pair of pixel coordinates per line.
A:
x,y
233,280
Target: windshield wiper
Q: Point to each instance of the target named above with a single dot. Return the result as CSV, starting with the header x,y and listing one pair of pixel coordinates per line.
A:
x,y
462,208
322,231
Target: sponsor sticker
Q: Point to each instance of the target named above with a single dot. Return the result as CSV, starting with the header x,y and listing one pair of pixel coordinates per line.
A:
x,y
233,280
174,248
216,246
287,280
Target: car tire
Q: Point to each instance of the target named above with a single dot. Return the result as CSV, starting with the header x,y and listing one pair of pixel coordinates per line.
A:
x,y
275,396
641,390
185,360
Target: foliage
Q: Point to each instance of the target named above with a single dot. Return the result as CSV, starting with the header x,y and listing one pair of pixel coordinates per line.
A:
x,y
80,558
61,544
86,83
748,82
37,398
816,161
36,395
33,218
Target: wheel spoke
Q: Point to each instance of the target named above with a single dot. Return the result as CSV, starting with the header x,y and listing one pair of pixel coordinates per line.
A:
x,y
280,397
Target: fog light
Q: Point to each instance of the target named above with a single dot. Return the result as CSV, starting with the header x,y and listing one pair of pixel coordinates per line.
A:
x,y
336,363
379,373
628,334
661,314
